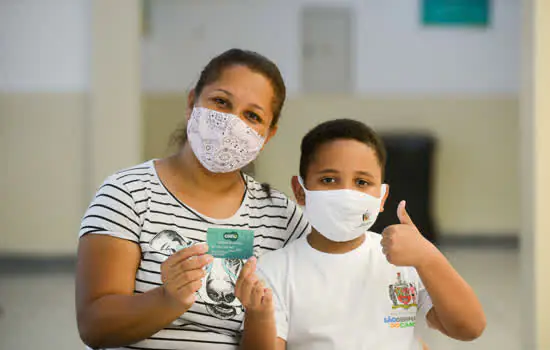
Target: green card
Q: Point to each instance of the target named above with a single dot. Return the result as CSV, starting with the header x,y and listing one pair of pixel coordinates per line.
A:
x,y
230,243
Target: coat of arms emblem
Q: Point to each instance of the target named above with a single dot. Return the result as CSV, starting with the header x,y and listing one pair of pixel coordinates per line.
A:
x,y
403,294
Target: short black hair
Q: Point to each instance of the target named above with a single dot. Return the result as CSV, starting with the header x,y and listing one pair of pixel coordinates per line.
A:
x,y
339,129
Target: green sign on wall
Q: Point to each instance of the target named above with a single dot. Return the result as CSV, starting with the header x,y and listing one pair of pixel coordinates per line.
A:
x,y
456,12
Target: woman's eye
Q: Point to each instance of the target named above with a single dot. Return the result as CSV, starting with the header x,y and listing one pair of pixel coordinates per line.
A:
x,y
220,101
253,117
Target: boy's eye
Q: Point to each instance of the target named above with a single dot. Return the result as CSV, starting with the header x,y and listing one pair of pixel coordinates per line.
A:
x,y
328,180
253,117
361,183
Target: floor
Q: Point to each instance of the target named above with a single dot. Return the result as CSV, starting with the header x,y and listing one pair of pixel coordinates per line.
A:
x,y
38,309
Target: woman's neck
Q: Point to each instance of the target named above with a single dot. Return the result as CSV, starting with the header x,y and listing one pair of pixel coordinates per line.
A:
x,y
186,164
321,243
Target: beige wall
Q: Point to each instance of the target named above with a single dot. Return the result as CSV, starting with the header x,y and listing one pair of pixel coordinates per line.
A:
x,y
42,172
43,182
476,162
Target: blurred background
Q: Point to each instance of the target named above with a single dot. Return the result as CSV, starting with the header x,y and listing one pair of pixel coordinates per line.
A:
x,y
88,87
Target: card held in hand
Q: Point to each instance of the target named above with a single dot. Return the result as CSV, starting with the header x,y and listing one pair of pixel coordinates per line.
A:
x,y
230,243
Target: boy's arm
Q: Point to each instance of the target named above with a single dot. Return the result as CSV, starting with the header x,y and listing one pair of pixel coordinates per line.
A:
x,y
456,310
260,332
265,315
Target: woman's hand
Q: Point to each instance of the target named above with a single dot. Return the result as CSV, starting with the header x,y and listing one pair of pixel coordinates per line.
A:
x,y
182,275
252,293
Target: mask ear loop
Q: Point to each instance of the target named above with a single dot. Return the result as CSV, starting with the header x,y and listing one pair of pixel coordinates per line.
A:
x,y
383,191
301,182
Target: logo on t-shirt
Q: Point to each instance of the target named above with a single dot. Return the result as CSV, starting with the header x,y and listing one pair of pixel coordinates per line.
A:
x,y
403,294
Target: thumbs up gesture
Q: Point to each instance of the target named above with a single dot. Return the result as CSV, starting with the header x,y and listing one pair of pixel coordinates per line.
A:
x,y
403,244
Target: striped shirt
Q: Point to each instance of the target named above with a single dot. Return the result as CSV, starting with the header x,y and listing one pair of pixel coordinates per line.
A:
x,y
133,204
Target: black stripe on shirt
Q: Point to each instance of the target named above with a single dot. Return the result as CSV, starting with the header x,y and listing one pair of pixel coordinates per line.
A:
x,y
291,217
210,316
132,174
95,228
143,181
268,206
193,341
115,211
132,169
205,230
202,325
111,221
264,216
165,203
117,188
303,231
293,230
149,282
138,190
149,271
118,200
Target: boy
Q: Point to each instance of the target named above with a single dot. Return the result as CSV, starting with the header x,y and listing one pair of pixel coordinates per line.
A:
x,y
343,287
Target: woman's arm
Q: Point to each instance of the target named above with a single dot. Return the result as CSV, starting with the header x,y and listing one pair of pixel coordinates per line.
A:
x,y
109,314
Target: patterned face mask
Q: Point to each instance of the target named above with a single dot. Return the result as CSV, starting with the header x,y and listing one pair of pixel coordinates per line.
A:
x,y
222,142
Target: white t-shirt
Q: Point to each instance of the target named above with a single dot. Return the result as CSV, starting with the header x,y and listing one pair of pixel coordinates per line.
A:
x,y
346,301
134,205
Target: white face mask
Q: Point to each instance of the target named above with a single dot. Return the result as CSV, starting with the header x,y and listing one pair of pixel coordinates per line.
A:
x,y
222,142
341,215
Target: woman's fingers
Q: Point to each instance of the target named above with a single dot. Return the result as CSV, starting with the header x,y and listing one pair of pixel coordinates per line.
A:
x,y
186,253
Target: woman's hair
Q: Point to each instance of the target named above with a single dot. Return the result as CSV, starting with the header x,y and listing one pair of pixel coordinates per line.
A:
x,y
339,129
256,63
253,61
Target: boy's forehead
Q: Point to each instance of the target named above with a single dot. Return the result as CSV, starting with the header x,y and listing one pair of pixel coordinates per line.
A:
x,y
345,155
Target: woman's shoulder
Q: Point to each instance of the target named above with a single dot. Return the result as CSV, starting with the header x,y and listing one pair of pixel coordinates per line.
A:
x,y
132,176
264,192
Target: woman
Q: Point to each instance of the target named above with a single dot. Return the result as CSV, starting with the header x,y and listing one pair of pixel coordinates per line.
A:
x,y
141,279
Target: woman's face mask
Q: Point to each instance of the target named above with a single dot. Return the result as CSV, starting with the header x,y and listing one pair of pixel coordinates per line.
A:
x,y
222,142
341,215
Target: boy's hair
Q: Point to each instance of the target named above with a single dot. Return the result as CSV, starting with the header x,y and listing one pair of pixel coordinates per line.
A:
x,y
339,129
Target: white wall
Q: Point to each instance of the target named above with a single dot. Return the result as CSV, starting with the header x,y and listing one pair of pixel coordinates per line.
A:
x,y
44,45
395,54
44,75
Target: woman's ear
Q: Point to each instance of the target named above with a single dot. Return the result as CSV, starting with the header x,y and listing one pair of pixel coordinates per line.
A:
x,y
299,193
190,103
386,194
271,133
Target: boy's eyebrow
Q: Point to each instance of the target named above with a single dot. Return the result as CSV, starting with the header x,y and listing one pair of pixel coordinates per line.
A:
x,y
365,173
327,171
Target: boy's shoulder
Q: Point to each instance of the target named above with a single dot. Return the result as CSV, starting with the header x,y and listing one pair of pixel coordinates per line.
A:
x,y
279,254
277,260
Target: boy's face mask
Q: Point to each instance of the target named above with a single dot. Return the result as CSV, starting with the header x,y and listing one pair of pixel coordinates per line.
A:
x,y
341,215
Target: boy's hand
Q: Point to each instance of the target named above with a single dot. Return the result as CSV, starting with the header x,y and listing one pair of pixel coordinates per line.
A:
x,y
256,299
403,244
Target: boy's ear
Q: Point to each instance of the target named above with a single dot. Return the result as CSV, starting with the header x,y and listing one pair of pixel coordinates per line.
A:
x,y
385,197
299,193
